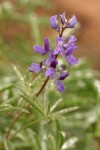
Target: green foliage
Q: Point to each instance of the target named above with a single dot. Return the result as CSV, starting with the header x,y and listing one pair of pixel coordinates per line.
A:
x,y
52,122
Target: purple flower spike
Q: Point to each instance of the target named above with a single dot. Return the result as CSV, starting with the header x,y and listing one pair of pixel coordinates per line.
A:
x,y
42,50
36,68
60,86
71,60
63,75
50,72
54,23
72,22
63,18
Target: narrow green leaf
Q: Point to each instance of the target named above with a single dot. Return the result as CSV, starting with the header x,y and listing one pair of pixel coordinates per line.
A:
x,y
56,104
19,74
9,108
9,100
65,111
5,144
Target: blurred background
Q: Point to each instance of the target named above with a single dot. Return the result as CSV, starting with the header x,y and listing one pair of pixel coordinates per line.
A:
x,y
24,23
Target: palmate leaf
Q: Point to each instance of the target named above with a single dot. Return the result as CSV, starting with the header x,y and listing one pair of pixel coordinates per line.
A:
x,y
9,108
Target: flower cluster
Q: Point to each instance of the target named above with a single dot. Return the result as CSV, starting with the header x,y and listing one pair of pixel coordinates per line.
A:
x,y
50,65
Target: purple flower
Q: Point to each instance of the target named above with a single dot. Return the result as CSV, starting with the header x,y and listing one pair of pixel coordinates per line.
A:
x,y
69,49
60,86
50,58
36,68
63,18
54,23
71,60
50,64
50,72
63,75
42,50
59,46
72,22
72,38
46,44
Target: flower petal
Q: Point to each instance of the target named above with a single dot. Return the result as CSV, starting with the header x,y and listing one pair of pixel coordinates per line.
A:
x,y
40,50
50,58
58,49
50,72
60,41
36,68
63,75
70,49
46,44
54,23
72,38
72,22
71,60
63,18
60,86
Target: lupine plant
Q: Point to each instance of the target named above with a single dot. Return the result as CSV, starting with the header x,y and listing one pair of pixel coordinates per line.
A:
x,y
51,69
53,120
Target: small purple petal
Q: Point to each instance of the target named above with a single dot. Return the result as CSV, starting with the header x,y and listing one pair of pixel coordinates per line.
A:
x,y
71,60
70,46
60,86
72,38
70,49
54,23
40,50
46,44
63,75
36,68
72,22
50,72
60,41
58,49
63,18
50,58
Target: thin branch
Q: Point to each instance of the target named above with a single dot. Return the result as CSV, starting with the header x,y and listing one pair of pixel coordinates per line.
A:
x,y
12,124
42,87
61,33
